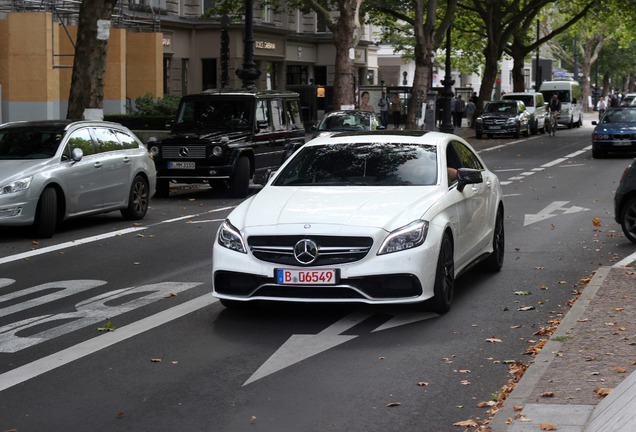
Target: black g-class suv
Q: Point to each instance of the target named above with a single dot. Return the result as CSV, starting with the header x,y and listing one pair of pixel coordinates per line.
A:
x,y
227,137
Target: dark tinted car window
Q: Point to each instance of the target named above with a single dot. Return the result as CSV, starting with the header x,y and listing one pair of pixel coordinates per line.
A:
x,y
29,143
293,112
620,116
362,164
467,157
215,114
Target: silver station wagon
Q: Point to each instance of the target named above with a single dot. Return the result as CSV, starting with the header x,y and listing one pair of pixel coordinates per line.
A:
x,y
52,170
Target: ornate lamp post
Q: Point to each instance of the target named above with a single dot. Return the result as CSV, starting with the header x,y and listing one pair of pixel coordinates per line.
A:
x,y
447,93
249,73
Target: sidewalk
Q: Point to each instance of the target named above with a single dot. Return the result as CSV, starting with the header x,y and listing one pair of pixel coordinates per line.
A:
x,y
592,350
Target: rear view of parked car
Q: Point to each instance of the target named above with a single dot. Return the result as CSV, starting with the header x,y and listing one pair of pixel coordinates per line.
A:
x,y
535,105
625,203
56,169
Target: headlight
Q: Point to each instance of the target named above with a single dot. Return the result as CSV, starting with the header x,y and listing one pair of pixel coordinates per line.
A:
x,y
407,237
479,120
16,186
602,136
154,150
231,238
217,151
511,121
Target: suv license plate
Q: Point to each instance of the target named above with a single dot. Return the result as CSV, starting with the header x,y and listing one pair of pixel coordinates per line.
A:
x,y
622,143
306,277
494,127
181,165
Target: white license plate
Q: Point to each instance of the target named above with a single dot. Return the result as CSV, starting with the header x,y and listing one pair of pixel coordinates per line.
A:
x,y
621,143
306,277
181,165
494,127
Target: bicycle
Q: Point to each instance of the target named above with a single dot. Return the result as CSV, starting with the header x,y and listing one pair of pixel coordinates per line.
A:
x,y
551,123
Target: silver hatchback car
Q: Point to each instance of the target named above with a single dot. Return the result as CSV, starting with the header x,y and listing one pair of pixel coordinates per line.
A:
x,y
52,170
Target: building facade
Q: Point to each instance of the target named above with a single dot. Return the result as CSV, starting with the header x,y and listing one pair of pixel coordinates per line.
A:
x,y
160,47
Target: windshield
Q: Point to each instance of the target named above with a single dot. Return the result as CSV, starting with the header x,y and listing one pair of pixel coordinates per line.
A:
x,y
347,122
215,114
563,95
499,107
29,143
619,116
528,100
361,164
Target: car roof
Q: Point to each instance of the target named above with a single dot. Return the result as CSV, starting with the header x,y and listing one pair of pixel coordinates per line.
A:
x,y
59,124
243,92
392,136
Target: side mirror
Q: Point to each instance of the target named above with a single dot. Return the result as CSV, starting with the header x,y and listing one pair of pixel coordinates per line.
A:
x,y
77,154
466,176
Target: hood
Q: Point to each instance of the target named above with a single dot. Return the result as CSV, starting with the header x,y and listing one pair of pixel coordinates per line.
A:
x,y
497,115
615,128
210,135
378,207
13,169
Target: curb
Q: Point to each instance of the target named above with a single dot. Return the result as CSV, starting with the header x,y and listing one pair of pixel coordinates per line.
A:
x,y
523,389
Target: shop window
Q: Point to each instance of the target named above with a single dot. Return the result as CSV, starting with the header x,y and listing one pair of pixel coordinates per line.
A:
x,y
297,75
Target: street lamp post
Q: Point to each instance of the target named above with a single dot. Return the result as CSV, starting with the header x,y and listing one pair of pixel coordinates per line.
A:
x,y
447,93
250,72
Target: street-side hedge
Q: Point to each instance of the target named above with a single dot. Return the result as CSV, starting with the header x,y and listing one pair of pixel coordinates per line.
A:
x,y
140,122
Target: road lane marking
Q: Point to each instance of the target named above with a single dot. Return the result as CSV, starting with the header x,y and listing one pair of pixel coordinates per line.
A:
x,y
67,245
101,308
548,212
82,241
61,358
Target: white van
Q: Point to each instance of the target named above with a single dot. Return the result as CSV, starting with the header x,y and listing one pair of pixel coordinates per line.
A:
x,y
569,93
535,105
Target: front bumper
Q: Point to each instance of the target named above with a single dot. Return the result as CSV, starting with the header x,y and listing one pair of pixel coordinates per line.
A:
x,y
407,276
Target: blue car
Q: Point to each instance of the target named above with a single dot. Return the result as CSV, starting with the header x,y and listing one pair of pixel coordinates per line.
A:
x,y
615,133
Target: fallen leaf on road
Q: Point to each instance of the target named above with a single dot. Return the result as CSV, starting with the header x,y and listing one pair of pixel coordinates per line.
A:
x,y
525,308
547,394
548,426
469,423
393,404
120,414
620,369
422,384
494,339
155,360
523,292
465,382
517,407
601,391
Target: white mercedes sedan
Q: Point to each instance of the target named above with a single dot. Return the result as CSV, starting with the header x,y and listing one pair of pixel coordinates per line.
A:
x,y
374,217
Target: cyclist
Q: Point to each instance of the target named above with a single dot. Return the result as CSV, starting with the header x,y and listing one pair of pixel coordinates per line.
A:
x,y
554,108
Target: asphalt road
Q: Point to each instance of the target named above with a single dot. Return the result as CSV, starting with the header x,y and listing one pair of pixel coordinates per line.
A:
x,y
177,360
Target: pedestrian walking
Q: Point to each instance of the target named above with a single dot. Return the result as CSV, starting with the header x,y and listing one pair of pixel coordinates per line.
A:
x,y
396,108
601,106
460,107
470,111
383,103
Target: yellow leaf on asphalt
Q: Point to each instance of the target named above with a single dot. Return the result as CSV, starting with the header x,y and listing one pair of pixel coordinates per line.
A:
x,y
596,222
603,391
422,384
620,369
155,360
393,404
493,339
469,423
548,426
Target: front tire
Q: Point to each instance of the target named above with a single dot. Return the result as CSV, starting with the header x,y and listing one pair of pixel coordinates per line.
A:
x,y
444,289
495,260
240,182
46,214
138,200
628,219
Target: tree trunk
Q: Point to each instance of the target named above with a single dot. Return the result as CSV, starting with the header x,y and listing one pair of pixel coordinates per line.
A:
x,y
345,39
518,57
89,65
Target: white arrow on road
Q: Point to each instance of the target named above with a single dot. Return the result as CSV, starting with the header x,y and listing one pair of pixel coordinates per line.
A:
x,y
548,212
302,346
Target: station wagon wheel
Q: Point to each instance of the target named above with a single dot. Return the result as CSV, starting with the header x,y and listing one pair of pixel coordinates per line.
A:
x,y
240,182
628,219
444,278
494,262
138,200
46,214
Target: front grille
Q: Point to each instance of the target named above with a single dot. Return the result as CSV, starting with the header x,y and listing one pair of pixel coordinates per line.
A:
x,y
184,151
623,136
489,121
392,286
332,250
